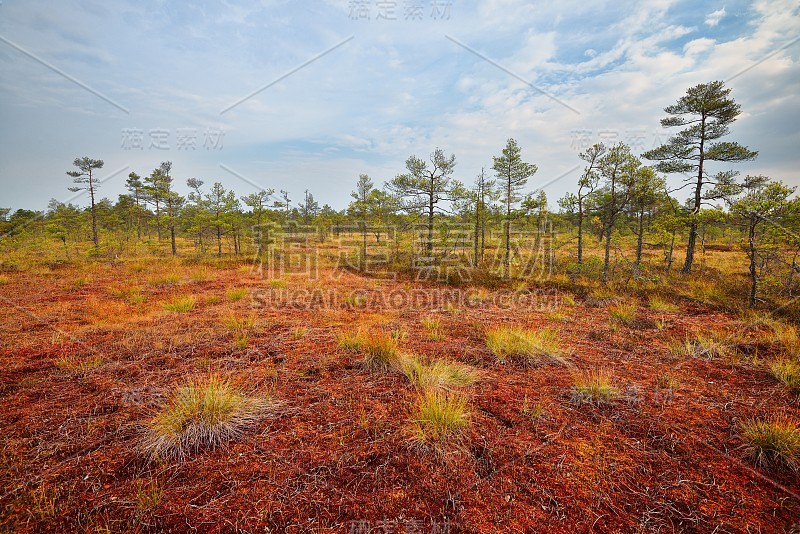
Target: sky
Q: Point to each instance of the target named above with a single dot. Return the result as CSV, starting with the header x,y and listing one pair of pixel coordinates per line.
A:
x,y
308,95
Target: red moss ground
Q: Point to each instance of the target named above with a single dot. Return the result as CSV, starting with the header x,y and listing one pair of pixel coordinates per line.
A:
x,y
336,458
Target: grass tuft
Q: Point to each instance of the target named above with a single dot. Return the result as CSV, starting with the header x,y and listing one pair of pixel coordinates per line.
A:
x,y
713,345
298,332
531,346
623,312
351,341
439,417
75,365
166,279
241,328
198,415
438,374
773,443
660,305
788,373
180,305
433,328
236,294
532,410
593,387
380,351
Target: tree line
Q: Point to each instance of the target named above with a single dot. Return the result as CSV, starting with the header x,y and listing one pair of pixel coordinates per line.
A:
x,y
617,194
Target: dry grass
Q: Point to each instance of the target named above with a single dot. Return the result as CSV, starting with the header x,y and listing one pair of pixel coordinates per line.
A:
x,y
773,443
593,387
201,414
528,345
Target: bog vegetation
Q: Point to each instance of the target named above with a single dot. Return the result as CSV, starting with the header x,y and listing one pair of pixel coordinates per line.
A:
x,y
661,356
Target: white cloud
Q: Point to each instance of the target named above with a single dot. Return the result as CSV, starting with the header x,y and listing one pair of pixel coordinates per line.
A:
x,y
399,88
713,18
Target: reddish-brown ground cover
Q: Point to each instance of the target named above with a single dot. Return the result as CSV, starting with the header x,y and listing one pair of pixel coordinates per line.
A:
x,y
336,456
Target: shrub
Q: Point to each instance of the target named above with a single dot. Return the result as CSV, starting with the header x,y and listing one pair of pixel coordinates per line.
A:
x,y
277,283
788,372
438,374
438,417
593,387
201,414
433,328
532,346
773,443
180,305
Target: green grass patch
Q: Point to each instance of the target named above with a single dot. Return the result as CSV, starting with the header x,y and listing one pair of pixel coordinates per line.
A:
x,y
180,305
236,294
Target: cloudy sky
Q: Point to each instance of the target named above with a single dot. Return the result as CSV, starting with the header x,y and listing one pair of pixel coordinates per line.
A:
x,y
308,95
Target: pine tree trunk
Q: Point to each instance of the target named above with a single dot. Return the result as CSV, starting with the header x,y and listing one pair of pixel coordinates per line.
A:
x,y
607,256
752,254
580,233
639,238
94,214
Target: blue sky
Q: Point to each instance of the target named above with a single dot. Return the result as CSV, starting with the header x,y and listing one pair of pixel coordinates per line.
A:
x,y
137,83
